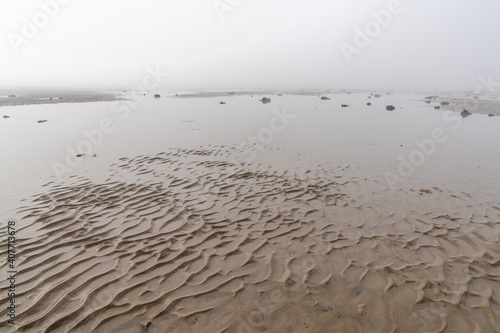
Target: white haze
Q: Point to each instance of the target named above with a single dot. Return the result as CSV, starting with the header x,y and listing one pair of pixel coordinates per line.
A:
x,y
263,44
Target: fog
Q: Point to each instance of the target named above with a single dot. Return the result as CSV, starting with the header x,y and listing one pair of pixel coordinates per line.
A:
x,y
250,44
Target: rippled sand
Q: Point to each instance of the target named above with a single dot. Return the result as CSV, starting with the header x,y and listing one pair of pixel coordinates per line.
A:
x,y
188,241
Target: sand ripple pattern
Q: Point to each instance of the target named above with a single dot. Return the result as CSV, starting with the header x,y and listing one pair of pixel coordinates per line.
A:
x,y
186,241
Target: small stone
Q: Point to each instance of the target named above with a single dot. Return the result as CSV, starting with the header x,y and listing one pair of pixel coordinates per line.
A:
x,y
465,113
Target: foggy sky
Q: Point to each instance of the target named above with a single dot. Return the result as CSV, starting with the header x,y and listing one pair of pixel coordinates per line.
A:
x,y
266,44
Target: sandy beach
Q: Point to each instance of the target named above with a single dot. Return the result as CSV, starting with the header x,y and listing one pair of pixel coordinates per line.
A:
x,y
218,212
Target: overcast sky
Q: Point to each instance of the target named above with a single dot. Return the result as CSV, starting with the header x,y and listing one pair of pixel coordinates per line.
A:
x,y
238,44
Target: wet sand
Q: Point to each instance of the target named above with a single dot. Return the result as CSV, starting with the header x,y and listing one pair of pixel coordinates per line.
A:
x,y
195,238
26,97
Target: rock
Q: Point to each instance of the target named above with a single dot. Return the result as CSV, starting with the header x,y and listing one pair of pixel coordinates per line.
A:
x,y
345,105
428,102
95,155
368,103
325,98
50,97
231,93
157,96
5,116
465,113
222,102
266,100
437,107
490,115
445,103
377,95
390,108
80,155
41,121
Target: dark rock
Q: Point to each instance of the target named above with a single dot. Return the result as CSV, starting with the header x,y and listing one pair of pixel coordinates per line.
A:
x,y
157,96
231,93
222,102
41,121
490,115
95,155
465,113
390,108
368,103
80,155
5,116
266,100
325,98
445,103
437,107
345,105
428,102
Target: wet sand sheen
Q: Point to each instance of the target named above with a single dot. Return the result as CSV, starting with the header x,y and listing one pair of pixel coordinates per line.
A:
x,y
186,241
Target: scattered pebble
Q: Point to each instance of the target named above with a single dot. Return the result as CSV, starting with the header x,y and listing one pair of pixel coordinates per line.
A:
x,y
465,113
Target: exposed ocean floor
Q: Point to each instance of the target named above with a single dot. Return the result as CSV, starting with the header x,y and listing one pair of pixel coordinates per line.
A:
x,y
301,214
